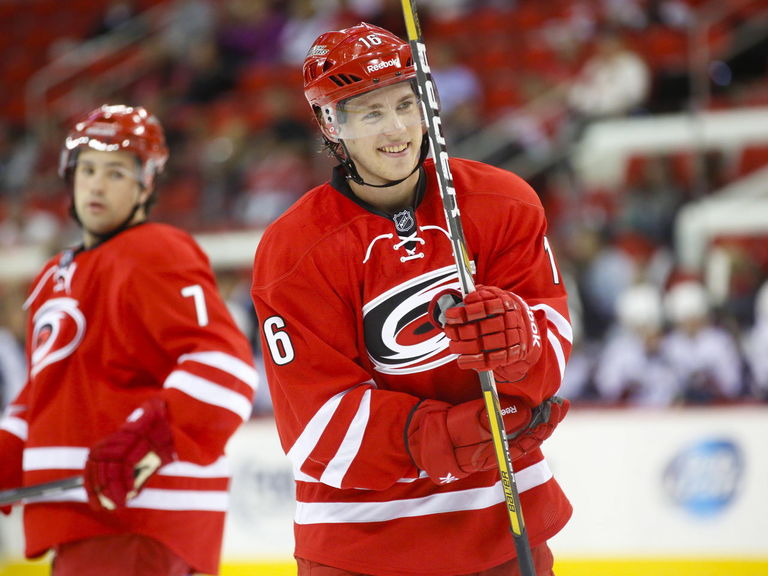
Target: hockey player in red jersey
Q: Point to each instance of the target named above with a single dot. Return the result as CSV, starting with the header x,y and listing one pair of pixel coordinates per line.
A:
x,y
372,376
138,375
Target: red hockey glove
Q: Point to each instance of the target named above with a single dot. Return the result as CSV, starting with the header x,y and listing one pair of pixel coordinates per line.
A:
x,y
120,464
451,442
492,329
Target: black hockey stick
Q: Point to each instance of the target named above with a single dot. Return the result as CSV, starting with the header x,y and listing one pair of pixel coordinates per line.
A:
x,y
17,495
431,110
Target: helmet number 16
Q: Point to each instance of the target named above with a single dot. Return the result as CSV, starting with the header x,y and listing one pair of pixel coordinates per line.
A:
x,y
370,40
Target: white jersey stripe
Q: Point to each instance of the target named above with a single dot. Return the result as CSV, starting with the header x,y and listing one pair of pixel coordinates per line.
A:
x,y
16,426
155,499
226,363
219,469
209,392
473,499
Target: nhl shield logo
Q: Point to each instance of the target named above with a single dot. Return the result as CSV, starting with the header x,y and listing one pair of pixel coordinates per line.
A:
x,y
403,221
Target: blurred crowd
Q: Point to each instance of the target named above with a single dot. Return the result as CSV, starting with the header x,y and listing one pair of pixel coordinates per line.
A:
x,y
224,76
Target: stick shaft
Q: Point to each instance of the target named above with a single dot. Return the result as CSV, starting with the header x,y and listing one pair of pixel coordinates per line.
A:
x,y
453,219
17,495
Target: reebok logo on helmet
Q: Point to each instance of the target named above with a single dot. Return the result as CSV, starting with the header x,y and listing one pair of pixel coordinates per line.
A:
x,y
318,50
376,66
101,129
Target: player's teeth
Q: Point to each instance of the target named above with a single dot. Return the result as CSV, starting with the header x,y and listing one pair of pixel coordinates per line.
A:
x,y
393,149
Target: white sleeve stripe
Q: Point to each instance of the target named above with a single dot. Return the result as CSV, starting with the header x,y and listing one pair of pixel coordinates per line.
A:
x,y
54,458
350,446
559,321
219,469
210,393
306,442
226,363
557,348
73,458
16,426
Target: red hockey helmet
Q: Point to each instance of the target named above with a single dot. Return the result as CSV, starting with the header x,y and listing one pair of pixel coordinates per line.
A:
x,y
118,128
346,63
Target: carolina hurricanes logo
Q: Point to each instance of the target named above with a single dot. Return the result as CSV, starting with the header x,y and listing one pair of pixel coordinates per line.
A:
x,y
59,326
398,333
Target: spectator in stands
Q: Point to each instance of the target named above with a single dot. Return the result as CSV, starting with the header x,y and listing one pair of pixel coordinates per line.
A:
x,y
704,355
115,15
632,369
275,167
756,346
614,82
651,200
306,19
275,179
460,90
187,23
607,269
578,378
249,33
201,76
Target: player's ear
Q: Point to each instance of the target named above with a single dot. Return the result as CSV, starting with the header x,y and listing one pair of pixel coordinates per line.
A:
x,y
327,124
145,193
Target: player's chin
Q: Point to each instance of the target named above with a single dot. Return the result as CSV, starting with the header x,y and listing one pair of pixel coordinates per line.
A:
x,y
400,173
99,227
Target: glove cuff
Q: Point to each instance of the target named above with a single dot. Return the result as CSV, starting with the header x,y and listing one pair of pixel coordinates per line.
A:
x,y
152,421
429,444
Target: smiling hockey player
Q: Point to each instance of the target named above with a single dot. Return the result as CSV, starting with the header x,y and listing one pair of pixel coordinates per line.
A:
x,y
372,375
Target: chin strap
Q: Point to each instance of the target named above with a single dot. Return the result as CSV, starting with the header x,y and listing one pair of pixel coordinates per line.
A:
x,y
352,174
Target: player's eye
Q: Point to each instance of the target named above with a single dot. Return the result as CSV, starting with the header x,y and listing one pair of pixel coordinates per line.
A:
x,y
85,169
405,105
372,116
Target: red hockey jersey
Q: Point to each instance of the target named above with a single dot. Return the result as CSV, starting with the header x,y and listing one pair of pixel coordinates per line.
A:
x,y
138,315
342,291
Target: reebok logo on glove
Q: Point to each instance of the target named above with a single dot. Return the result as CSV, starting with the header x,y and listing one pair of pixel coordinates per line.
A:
x,y
451,442
534,327
509,410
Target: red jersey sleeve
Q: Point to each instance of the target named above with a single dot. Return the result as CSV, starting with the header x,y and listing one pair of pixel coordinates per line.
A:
x,y
513,253
179,319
